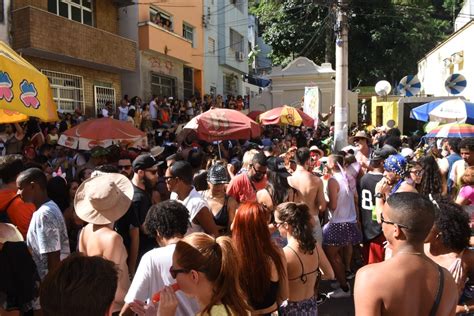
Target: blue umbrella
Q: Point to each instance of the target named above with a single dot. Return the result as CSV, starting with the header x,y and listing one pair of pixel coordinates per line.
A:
x,y
409,86
445,111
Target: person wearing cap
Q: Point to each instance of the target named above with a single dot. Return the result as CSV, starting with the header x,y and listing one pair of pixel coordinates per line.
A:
x,y
373,240
308,189
222,206
129,226
100,201
361,141
179,180
244,187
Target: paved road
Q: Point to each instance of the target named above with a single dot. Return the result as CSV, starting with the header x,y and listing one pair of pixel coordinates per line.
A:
x,y
336,306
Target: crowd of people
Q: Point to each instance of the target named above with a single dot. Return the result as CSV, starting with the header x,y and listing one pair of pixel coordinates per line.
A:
x,y
234,227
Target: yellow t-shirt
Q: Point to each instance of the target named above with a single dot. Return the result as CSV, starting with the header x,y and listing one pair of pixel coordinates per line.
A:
x,y
217,310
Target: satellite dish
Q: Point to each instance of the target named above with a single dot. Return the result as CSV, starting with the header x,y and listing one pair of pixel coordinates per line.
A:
x,y
409,86
455,84
383,88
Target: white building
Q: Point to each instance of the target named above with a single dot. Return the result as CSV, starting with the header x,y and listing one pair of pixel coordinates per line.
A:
x,y
288,87
453,56
261,64
225,46
4,21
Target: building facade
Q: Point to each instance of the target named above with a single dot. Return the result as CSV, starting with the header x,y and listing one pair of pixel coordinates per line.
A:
x,y
170,48
75,43
453,56
226,46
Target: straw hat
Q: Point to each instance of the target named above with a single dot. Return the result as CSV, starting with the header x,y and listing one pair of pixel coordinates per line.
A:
x,y
103,199
359,135
316,148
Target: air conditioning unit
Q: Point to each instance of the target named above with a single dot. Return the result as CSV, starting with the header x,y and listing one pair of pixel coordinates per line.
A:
x,y
239,56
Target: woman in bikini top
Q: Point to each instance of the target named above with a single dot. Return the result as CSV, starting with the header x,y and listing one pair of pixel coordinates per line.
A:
x,y
302,252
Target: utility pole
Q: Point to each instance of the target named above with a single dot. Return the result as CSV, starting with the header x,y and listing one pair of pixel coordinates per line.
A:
x,y
342,75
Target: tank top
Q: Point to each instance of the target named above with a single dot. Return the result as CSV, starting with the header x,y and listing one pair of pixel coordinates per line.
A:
x,y
345,211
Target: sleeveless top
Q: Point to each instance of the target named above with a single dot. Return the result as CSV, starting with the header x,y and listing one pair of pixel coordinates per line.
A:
x,y
457,271
304,275
345,211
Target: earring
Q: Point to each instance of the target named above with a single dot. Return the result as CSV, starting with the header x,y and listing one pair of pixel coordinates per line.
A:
x,y
437,235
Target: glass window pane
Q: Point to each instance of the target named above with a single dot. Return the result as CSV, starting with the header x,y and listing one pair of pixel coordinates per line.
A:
x,y
53,6
87,16
77,1
76,14
87,3
63,9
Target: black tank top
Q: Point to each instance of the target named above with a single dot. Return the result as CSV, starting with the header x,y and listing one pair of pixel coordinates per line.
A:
x,y
370,228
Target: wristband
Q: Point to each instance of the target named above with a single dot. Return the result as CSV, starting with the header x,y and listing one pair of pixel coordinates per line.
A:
x,y
466,308
380,196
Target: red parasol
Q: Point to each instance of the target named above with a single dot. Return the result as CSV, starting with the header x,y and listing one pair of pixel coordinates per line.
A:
x,y
222,124
102,132
286,115
254,115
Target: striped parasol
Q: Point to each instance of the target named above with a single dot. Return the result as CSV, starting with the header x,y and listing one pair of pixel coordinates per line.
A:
x,y
455,83
452,130
409,86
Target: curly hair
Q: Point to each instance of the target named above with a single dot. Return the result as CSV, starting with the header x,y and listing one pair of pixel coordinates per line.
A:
x,y
168,219
431,182
298,217
453,224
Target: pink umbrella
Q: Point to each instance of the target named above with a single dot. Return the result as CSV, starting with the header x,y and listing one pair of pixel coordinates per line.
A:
x,y
221,124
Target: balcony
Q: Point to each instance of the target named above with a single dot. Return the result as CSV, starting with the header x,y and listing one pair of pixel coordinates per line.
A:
x,y
159,39
42,34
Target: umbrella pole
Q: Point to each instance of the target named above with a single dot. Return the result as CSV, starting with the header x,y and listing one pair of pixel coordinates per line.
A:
x,y
219,148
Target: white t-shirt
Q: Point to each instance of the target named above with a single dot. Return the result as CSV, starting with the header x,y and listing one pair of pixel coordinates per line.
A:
x,y
47,233
153,274
194,202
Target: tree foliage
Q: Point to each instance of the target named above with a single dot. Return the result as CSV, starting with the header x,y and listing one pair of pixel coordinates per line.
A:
x,y
386,38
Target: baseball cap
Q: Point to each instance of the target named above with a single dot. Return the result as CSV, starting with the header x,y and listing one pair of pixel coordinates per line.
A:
x,y
277,164
143,162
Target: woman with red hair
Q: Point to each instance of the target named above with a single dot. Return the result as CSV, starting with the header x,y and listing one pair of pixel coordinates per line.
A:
x,y
263,278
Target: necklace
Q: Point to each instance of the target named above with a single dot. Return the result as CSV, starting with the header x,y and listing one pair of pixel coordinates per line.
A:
x,y
410,253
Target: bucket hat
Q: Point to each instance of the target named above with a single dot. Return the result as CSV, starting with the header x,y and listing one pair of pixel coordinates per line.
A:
x,y
103,199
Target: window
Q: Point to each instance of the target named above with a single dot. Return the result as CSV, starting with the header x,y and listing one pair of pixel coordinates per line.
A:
x,y
188,84
163,86
161,19
68,90
76,10
236,41
102,95
188,32
239,4
211,43
2,17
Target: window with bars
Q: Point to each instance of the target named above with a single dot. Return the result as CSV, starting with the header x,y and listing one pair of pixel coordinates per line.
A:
x,y
102,95
211,45
161,19
163,86
68,90
76,10
236,41
188,32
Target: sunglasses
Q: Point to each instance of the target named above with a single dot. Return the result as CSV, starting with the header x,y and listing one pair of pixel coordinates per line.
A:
x,y
168,178
174,272
125,167
383,220
417,172
258,171
277,225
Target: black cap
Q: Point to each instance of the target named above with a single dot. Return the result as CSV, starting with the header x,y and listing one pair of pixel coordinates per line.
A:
x,y
143,162
383,153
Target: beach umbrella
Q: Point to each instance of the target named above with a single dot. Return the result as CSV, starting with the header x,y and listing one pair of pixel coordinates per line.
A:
x,y
445,111
23,88
455,84
7,116
103,132
221,124
409,86
286,115
452,130
254,115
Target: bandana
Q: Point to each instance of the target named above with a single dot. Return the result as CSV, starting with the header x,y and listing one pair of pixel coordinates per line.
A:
x,y
397,164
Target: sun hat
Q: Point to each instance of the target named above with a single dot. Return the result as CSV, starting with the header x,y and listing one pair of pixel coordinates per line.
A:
x,y
277,164
103,199
217,174
156,151
359,135
316,148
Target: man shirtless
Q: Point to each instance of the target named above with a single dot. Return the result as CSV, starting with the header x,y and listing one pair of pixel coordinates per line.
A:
x,y
308,188
409,283
100,201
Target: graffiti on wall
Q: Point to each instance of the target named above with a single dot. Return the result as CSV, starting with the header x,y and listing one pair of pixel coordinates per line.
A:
x,y
161,65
